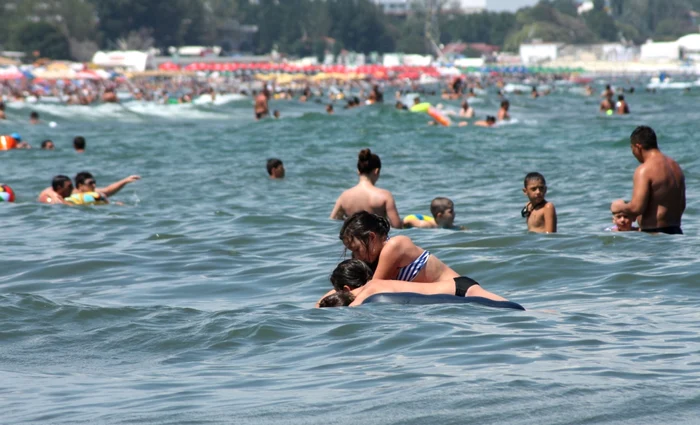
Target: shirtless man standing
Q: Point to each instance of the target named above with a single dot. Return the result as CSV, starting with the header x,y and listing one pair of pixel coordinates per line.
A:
x,y
658,195
261,108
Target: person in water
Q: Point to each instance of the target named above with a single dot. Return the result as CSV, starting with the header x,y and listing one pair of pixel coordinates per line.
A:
x,y
261,107
606,105
365,196
621,107
275,168
61,188
85,182
466,111
353,283
490,121
658,193
622,222
34,118
443,211
48,145
541,215
366,235
503,114
79,144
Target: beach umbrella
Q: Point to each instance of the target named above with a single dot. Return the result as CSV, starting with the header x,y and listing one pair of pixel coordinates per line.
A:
x,y
11,73
87,75
169,66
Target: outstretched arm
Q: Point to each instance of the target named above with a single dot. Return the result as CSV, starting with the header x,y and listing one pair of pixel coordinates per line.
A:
x,y
113,188
377,286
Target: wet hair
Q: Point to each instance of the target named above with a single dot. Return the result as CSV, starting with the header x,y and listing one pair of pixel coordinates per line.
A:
x,y
81,177
45,143
416,100
360,225
505,104
337,299
79,143
59,181
465,105
34,115
440,205
353,273
490,119
644,136
368,162
530,177
273,163
620,97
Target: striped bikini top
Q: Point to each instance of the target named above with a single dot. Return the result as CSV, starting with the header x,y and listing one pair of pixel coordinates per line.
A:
x,y
409,272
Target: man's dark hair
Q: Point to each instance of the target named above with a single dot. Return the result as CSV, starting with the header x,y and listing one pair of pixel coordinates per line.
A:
x,y
81,177
79,143
644,136
273,163
45,143
34,115
59,181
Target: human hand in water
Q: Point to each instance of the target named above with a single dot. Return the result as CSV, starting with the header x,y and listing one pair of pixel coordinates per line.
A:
x,y
132,179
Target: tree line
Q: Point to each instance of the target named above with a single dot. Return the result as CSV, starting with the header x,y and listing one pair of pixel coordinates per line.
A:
x,y
75,29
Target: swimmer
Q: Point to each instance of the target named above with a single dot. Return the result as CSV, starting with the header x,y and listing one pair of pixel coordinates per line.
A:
x,y
275,168
606,105
61,188
503,114
20,144
443,211
622,222
658,192
261,108
85,182
352,281
79,144
2,110
365,196
489,122
622,108
416,100
329,109
533,93
47,145
541,215
366,235
34,118
276,114
400,106
466,111
608,92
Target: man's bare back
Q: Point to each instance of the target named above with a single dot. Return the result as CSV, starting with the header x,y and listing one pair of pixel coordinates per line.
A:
x,y
658,194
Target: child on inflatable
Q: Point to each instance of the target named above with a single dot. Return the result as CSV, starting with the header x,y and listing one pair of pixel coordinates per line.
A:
x,y
399,259
443,211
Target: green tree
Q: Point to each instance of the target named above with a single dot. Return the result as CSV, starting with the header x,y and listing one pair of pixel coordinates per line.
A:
x,y
41,37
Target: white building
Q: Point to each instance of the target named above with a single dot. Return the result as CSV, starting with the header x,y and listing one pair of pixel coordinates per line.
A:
x,y
400,7
126,60
394,7
534,53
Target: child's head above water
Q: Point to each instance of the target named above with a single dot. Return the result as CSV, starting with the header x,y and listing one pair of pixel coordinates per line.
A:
x,y
443,211
337,299
535,187
351,274
622,221
363,233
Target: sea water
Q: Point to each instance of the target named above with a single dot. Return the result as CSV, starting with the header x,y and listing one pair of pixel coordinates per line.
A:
x,y
192,301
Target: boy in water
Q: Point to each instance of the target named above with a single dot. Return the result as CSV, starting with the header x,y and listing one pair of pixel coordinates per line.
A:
x,y
622,222
540,215
443,211
275,168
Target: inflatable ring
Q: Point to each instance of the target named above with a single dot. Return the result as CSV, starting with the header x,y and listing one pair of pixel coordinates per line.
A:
x,y
421,107
437,116
87,198
6,193
7,143
420,299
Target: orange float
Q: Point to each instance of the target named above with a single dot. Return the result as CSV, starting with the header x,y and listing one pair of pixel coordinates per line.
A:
x,y
439,117
7,142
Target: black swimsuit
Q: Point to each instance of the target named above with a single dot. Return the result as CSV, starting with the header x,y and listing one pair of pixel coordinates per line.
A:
x,y
670,230
462,285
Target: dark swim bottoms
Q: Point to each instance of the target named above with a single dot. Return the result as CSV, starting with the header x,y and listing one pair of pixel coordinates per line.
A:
x,y
462,285
670,230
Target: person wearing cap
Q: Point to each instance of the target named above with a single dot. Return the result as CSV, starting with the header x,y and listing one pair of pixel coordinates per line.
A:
x,y
12,141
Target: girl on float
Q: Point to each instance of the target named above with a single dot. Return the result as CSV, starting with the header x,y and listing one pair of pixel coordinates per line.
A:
x,y
401,266
353,284
365,196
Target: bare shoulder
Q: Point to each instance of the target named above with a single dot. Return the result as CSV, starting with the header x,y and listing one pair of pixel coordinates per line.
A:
x,y
400,241
549,206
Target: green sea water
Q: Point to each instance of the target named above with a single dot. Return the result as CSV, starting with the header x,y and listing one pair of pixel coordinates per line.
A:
x,y
192,302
